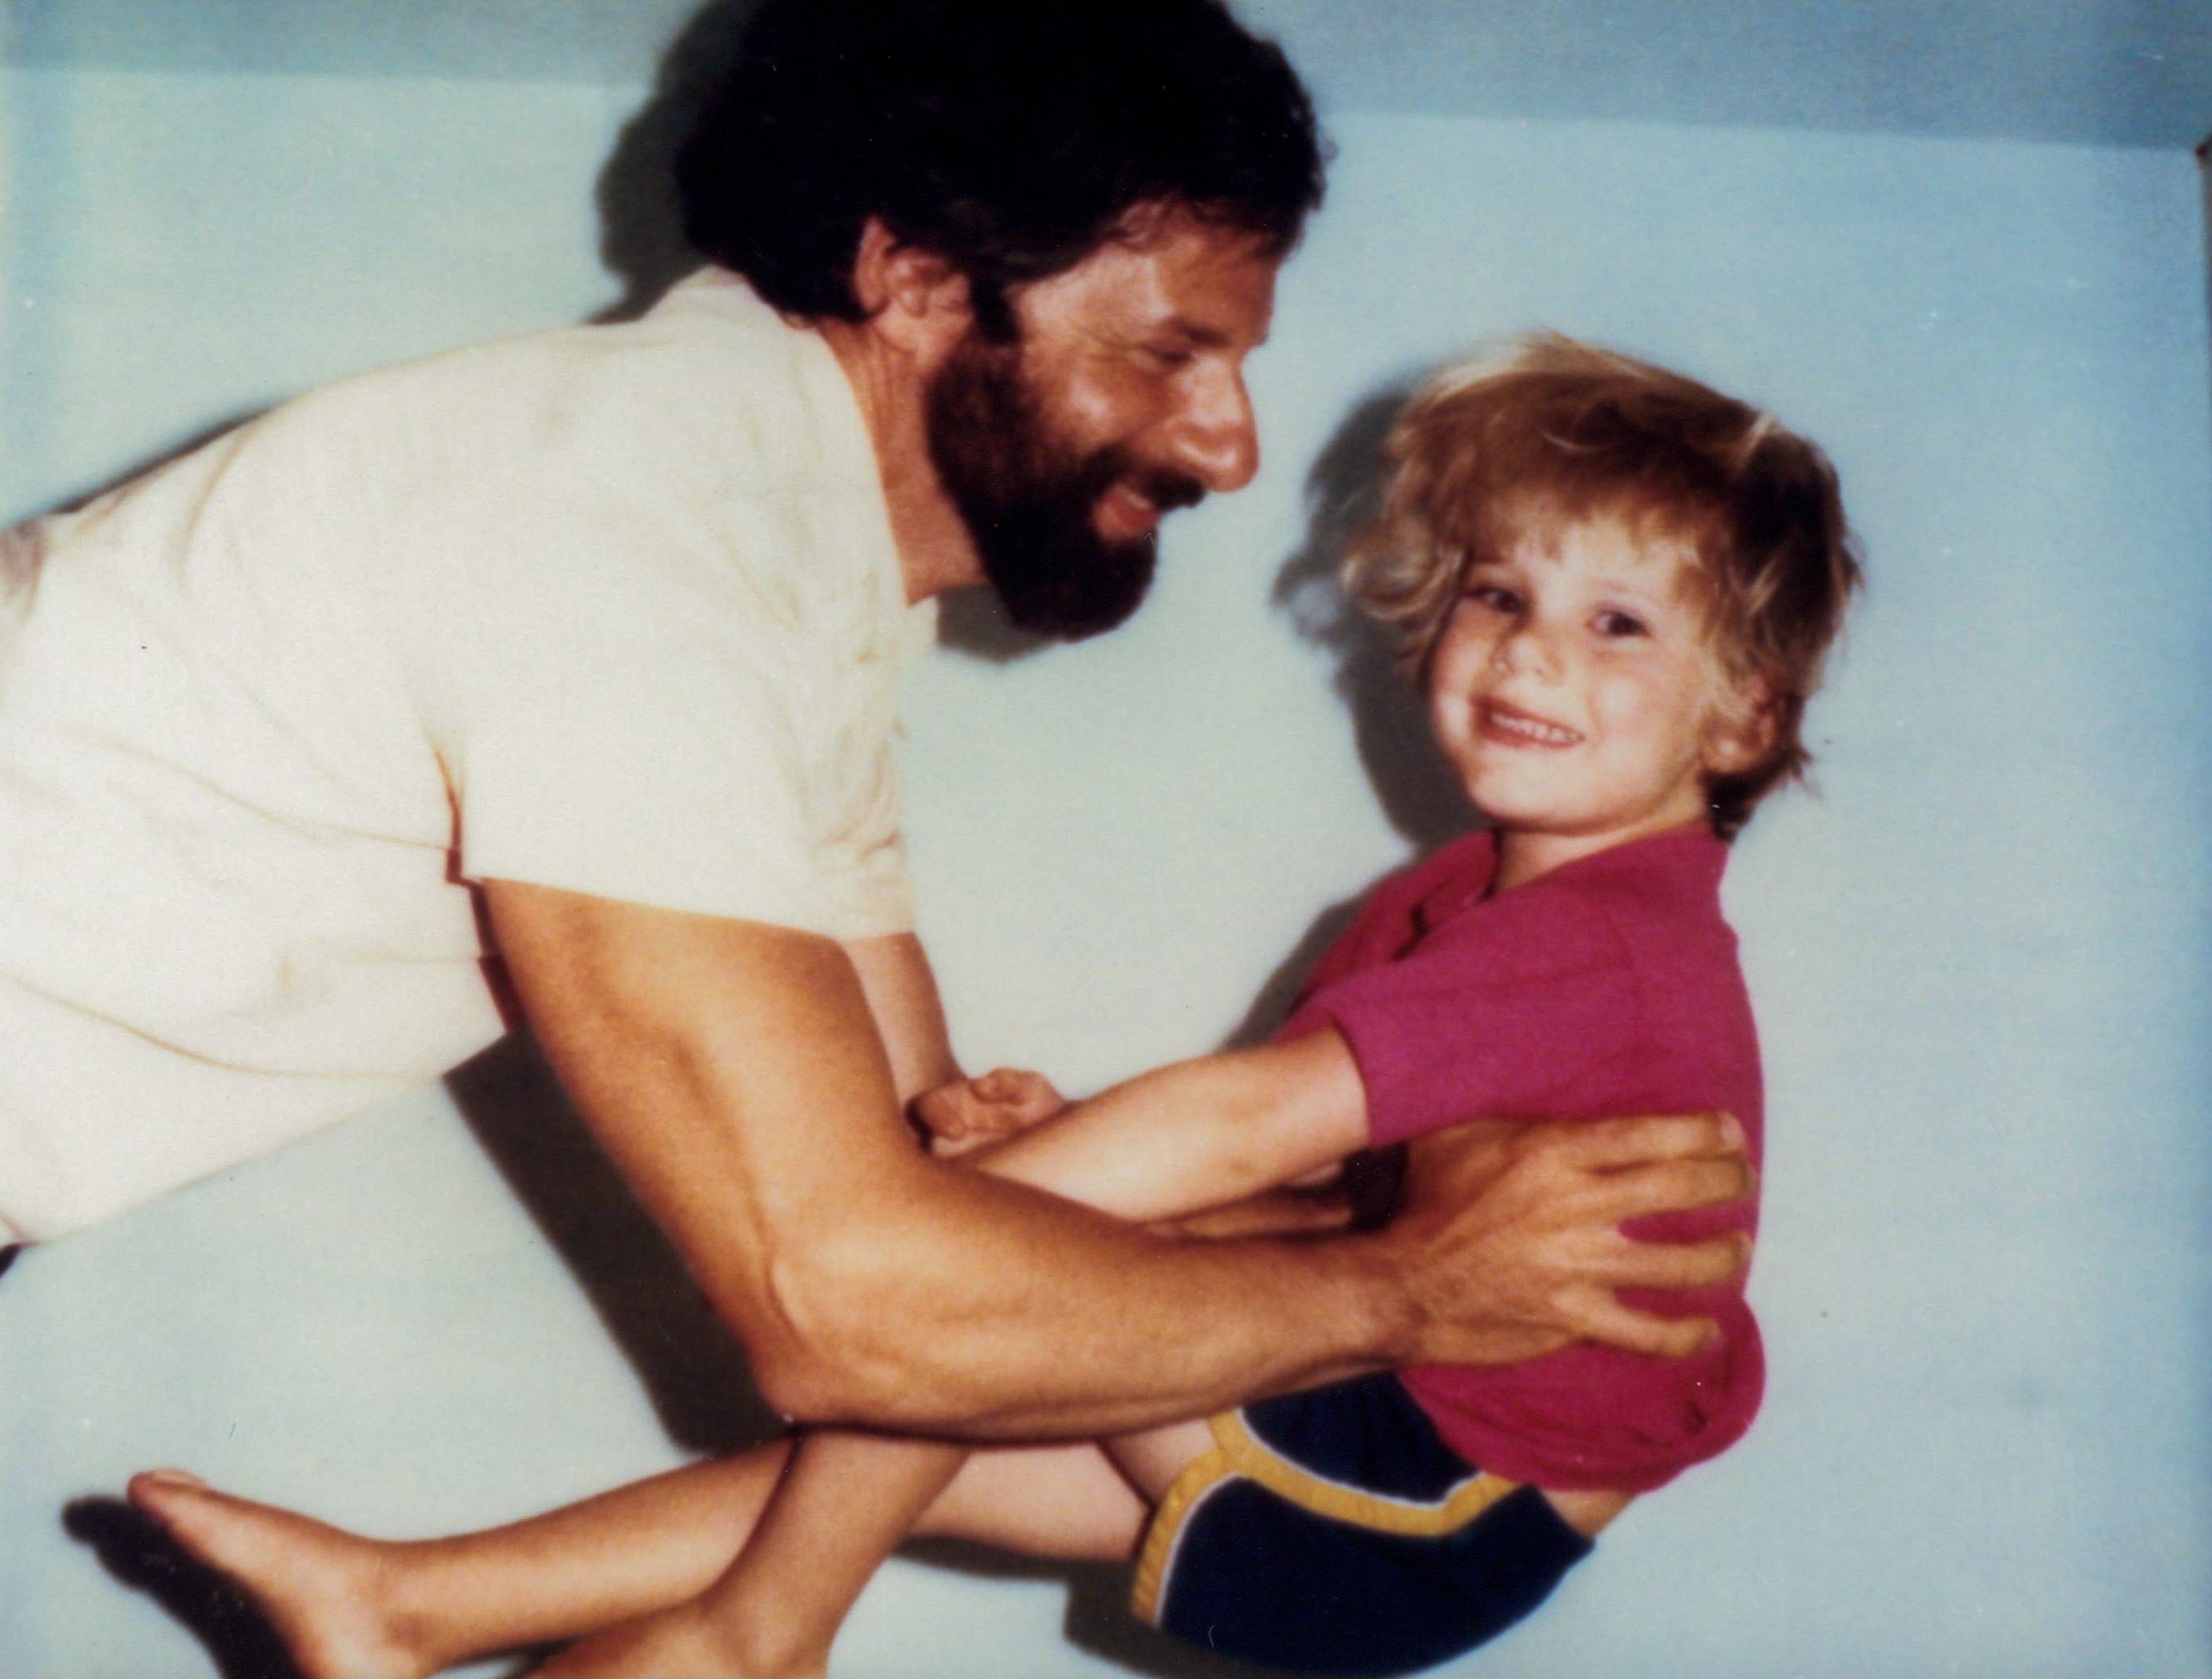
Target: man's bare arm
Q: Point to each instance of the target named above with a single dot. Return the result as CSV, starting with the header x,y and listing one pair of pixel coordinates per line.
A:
x,y
1212,1132
902,1001
734,1073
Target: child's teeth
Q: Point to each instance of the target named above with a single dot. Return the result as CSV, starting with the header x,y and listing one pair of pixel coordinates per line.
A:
x,y
1544,732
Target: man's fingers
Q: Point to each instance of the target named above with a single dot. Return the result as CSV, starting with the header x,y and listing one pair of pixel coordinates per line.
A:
x,y
1603,1318
1679,1264
1608,1144
1676,1186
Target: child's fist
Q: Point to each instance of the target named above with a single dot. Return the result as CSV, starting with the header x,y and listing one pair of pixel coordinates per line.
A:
x,y
971,1112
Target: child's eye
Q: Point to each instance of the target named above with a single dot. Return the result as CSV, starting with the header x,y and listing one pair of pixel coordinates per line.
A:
x,y
1620,623
1494,597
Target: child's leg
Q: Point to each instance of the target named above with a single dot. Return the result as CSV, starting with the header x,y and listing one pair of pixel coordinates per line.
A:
x,y
846,1504
350,1608
632,1551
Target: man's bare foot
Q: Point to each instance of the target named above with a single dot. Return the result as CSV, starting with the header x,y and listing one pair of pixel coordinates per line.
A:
x,y
324,1590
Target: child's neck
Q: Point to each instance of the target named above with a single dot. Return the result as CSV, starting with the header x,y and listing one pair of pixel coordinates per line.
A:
x,y
1525,854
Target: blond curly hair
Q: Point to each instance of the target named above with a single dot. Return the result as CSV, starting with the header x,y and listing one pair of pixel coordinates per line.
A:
x,y
1545,430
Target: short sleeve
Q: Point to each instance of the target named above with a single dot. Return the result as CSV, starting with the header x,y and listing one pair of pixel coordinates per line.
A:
x,y
619,730
1521,1007
643,590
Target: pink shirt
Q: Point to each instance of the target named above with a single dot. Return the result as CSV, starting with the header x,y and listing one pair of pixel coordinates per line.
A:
x,y
1606,987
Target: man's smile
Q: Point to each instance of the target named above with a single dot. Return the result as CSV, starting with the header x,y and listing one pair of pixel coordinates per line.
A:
x,y
1126,513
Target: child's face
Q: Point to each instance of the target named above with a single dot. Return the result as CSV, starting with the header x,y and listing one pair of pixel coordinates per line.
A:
x,y
1574,690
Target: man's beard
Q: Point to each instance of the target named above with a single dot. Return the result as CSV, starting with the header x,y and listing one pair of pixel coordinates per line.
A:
x,y
1029,499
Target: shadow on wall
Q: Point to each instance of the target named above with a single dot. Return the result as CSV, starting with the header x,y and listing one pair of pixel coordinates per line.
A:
x,y
642,244
1416,790
689,1363
641,228
2204,173
1418,793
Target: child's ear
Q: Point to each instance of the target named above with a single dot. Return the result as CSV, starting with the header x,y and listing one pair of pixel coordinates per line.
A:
x,y
1743,731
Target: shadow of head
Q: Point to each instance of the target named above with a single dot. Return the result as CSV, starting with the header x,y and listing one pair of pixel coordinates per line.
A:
x,y
642,243
1415,786
135,1549
641,238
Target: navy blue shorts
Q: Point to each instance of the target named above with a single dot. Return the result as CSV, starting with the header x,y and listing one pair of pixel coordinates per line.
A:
x,y
1334,1532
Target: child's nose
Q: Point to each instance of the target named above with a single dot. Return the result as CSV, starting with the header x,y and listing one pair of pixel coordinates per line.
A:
x,y
1531,647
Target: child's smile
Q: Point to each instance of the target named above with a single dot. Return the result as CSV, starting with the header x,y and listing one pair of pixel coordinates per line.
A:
x,y
1574,690
1512,727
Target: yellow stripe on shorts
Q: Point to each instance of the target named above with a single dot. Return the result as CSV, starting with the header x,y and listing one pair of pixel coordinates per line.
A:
x,y
1237,1451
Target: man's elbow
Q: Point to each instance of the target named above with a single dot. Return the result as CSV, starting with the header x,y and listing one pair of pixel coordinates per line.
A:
x,y
844,1344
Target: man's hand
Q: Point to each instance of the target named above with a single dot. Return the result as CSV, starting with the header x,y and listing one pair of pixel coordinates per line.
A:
x,y
1510,1238
968,1113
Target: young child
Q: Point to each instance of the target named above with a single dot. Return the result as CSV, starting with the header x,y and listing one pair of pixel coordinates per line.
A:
x,y
1615,587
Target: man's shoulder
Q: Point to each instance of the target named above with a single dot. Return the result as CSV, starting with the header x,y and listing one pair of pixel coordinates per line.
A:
x,y
548,396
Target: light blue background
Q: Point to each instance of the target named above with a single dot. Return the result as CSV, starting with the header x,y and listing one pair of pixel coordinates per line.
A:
x,y
1980,955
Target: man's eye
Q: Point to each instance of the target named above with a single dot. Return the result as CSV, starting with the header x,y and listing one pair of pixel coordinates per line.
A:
x,y
1171,357
1620,624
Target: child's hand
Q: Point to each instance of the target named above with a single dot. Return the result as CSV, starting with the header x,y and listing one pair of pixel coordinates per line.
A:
x,y
971,1112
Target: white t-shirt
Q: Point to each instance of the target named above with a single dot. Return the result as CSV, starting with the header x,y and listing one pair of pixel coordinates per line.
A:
x,y
612,609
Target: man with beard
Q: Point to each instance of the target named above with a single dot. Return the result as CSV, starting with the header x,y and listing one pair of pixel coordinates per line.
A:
x,y
573,659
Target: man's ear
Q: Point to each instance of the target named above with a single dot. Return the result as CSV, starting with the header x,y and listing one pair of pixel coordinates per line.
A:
x,y
1744,729
914,299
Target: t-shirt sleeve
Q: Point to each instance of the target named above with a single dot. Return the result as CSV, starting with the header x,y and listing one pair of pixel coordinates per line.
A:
x,y
636,726
1523,1008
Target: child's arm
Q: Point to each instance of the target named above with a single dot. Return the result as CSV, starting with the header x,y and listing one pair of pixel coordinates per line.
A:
x,y
1200,1133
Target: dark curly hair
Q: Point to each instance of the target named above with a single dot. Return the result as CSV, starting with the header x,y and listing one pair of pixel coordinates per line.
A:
x,y
1009,136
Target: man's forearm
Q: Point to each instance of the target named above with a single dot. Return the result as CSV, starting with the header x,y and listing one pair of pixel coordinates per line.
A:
x,y
734,1074
1273,1315
1043,1319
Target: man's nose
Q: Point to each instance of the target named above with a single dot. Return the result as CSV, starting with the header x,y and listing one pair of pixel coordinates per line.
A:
x,y
1217,434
